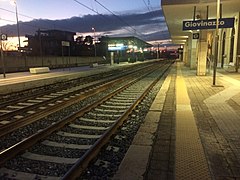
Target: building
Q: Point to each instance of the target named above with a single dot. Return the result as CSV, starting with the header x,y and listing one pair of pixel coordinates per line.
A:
x,y
51,43
192,24
62,43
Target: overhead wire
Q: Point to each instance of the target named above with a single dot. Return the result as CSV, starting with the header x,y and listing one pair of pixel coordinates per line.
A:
x,y
151,10
128,25
106,17
91,9
119,18
146,5
7,20
25,24
14,13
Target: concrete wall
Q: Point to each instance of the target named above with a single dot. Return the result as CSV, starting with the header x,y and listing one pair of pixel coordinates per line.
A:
x,y
23,63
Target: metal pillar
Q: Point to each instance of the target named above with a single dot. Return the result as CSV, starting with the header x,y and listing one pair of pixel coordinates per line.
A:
x,y
216,44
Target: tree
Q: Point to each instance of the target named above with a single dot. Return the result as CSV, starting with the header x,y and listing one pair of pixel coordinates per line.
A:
x,y
88,41
79,40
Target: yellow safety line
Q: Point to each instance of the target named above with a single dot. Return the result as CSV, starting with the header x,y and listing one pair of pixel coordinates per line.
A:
x,y
191,162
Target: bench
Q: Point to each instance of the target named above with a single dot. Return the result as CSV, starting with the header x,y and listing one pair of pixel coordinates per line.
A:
x,y
39,70
94,65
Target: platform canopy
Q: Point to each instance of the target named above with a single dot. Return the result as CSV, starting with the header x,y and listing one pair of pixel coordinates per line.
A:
x,y
176,11
123,43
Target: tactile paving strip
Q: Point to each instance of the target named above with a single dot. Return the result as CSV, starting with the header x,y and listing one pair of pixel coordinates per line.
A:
x,y
191,162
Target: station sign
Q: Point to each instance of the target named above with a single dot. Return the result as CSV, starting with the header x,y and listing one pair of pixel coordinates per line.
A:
x,y
196,35
3,37
208,24
65,43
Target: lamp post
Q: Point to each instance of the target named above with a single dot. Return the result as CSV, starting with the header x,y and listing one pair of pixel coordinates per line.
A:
x,y
158,51
2,38
216,43
15,4
94,38
2,58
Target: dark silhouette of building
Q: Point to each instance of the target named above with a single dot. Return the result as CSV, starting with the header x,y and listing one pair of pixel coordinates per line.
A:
x,y
51,43
62,43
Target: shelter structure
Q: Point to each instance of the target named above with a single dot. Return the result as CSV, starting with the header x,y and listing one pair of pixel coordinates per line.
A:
x,y
193,25
125,48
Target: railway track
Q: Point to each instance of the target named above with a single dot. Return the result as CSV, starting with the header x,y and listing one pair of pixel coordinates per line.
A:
x,y
18,113
11,98
66,147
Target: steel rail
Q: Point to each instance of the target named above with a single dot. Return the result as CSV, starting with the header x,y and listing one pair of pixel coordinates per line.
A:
x,y
8,128
21,146
19,99
83,162
28,108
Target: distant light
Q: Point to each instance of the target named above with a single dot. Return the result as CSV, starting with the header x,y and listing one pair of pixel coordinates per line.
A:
x,y
120,44
116,47
119,48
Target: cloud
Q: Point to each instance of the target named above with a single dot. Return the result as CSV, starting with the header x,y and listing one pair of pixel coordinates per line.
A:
x,y
148,26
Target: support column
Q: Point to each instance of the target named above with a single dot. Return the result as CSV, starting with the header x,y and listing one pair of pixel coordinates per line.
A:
x,y
185,53
111,58
193,62
202,54
236,53
189,50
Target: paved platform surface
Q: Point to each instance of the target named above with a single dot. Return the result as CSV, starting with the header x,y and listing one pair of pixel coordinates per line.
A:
x,y
192,130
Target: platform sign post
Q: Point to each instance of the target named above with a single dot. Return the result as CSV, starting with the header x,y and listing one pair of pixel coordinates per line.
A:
x,y
3,38
66,44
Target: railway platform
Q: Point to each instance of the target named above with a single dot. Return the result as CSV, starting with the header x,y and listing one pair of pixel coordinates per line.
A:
x,y
190,132
25,80
192,129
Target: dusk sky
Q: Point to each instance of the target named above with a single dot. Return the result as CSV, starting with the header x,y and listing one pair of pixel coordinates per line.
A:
x,y
62,9
141,18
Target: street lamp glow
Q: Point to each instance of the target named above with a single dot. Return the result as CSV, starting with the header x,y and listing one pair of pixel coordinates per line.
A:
x,y
13,2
